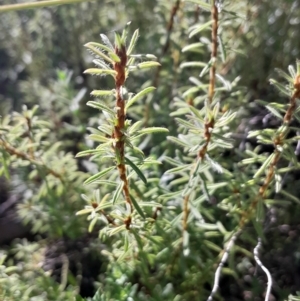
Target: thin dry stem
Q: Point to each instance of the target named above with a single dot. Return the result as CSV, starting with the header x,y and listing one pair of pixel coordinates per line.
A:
x,y
221,264
267,272
108,218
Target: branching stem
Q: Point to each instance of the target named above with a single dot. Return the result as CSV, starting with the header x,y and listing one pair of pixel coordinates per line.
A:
x,y
13,151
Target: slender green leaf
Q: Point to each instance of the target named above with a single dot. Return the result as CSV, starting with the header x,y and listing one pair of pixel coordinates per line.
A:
x,y
264,166
138,96
84,211
132,42
100,106
99,138
178,141
136,169
98,45
116,230
98,175
222,49
152,130
118,192
200,28
192,64
102,92
145,65
192,47
96,71
283,89
99,53
274,112
137,207
92,224
87,152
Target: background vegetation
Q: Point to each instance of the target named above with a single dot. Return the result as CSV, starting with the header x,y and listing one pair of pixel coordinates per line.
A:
x,y
197,196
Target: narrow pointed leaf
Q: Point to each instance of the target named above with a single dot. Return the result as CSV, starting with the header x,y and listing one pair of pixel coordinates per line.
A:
x,y
106,41
153,130
137,207
96,71
98,45
99,53
192,47
100,106
117,192
139,95
101,64
280,87
87,153
117,230
84,211
102,92
222,49
192,64
114,57
118,41
136,169
200,28
98,175
145,65
92,224
264,166
99,138
133,42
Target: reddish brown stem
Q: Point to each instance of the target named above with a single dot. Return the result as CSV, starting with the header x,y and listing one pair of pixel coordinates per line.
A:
x,y
209,125
164,50
185,212
120,69
278,141
166,46
13,151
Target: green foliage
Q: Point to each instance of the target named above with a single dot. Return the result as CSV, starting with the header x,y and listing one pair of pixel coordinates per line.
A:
x,y
174,168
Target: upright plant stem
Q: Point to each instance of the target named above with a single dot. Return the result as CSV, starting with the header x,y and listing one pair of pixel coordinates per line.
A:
x,y
120,124
278,142
209,124
214,48
164,50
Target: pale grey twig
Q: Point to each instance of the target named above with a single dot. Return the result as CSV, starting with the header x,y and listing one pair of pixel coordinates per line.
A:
x,y
221,264
267,272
